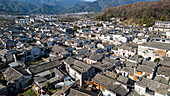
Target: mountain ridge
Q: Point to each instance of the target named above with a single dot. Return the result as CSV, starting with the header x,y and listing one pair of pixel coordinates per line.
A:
x,y
152,11
16,6
101,5
56,7
65,3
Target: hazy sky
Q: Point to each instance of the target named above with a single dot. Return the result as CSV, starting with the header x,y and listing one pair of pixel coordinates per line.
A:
x,y
90,0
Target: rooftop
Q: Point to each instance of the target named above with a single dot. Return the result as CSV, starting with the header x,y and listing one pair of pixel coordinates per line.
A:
x,y
161,79
14,73
43,67
110,84
80,66
145,69
163,71
81,92
165,46
154,85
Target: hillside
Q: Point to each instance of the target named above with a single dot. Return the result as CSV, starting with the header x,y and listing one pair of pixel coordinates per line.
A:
x,y
84,7
46,9
100,5
140,12
14,6
59,6
64,3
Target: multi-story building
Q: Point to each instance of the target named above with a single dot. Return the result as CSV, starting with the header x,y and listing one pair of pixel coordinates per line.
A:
x,y
153,50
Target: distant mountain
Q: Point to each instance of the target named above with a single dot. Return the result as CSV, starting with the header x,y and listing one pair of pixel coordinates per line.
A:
x,y
64,3
85,7
9,6
141,13
46,9
101,5
15,6
59,6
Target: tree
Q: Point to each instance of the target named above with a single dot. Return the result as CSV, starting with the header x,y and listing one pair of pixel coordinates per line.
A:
x,y
162,18
82,27
157,60
47,85
88,26
140,56
99,24
148,24
141,15
75,27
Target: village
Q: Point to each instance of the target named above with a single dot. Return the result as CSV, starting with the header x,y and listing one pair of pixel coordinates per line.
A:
x,y
44,56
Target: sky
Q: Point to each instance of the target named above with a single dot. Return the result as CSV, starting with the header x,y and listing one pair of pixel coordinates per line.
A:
x,y
90,0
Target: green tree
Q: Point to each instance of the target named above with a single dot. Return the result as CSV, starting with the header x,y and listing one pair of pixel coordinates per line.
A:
x,y
82,27
75,27
140,56
47,85
88,26
29,92
148,24
162,18
157,60
99,24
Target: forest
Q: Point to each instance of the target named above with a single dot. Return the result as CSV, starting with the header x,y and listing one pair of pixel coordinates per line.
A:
x,y
140,13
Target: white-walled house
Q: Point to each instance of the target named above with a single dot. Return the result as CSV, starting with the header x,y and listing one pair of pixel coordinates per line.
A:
x,y
79,70
149,87
140,40
162,23
127,51
163,29
17,78
109,87
164,72
153,50
168,34
145,70
93,58
21,20
162,26
34,53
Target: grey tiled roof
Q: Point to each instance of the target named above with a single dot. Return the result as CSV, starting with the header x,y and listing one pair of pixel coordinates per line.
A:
x,y
123,79
133,93
81,92
165,62
12,74
80,66
44,67
144,69
161,79
130,70
95,56
158,45
154,85
110,84
163,71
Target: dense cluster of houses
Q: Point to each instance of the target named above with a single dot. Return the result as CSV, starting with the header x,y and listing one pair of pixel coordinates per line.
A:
x,y
82,58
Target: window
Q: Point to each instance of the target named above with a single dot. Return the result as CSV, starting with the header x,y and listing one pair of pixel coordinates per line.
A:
x,y
150,92
139,73
147,74
35,55
139,90
42,49
28,53
28,58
